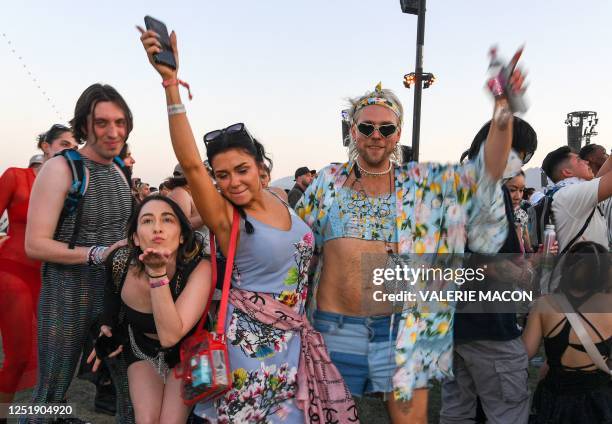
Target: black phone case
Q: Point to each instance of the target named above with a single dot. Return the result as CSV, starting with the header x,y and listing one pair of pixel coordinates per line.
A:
x,y
165,57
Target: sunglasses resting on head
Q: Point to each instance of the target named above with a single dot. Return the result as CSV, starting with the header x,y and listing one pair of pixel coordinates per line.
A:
x,y
238,130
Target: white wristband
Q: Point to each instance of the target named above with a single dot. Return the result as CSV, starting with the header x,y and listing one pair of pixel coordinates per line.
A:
x,y
176,109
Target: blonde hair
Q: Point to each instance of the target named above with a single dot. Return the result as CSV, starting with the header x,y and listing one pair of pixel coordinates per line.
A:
x,y
356,106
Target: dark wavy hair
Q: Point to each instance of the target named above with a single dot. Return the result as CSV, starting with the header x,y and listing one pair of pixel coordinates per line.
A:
x,y
51,134
247,144
588,149
187,251
524,138
128,170
174,182
86,104
586,268
124,151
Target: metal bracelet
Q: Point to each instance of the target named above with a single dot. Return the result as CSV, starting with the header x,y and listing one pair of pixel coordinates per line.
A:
x,y
96,256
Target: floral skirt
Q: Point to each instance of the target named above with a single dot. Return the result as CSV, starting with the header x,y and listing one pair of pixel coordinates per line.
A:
x,y
264,362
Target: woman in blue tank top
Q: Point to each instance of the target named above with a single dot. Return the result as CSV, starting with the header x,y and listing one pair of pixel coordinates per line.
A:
x,y
281,370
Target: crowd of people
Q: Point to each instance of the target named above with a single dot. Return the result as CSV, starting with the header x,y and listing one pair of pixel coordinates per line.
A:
x,y
107,275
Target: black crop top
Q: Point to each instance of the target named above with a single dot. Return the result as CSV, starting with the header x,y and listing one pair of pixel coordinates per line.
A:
x,y
556,345
140,321
116,312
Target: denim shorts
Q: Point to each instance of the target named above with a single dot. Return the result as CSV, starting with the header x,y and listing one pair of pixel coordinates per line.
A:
x,y
360,348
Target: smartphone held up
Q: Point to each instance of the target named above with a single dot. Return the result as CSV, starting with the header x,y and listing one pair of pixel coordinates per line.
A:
x,y
166,56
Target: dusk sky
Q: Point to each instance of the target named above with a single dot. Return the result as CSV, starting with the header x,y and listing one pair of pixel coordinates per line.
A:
x,y
286,68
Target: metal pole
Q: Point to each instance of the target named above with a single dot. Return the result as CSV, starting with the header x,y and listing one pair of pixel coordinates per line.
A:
x,y
418,86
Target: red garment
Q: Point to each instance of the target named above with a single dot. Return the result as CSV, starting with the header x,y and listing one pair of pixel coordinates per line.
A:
x,y
19,285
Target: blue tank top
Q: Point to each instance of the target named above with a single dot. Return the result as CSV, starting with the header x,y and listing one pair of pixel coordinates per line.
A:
x,y
353,214
271,260
274,262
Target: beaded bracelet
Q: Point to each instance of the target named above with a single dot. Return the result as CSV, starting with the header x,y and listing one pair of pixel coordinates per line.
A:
x,y
89,255
95,256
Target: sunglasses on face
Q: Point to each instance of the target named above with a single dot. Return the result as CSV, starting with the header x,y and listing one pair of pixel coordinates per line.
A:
x,y
385,130
234,130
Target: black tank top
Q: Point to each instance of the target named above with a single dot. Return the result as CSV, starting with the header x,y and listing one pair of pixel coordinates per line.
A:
x,y
116,312
556,345
145,322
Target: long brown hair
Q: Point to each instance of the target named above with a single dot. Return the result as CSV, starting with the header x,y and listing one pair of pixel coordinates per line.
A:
x,y
86,104
191,246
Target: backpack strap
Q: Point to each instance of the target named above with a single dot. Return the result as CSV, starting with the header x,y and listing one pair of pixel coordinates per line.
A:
x,y
120,163
546,216
124,169
127,173
79,179
577,236
78,185
74,200
554,277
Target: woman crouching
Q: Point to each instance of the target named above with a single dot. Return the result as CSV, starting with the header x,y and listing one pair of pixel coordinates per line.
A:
x,y
156,291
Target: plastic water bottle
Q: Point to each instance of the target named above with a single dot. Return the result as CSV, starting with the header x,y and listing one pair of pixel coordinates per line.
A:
x,y
550,236
201,375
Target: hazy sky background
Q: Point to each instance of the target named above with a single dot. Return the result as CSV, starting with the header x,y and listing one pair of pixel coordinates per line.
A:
x,y
285,68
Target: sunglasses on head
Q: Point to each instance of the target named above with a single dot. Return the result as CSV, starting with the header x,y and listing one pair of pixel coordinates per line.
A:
x,y
385,130
234,130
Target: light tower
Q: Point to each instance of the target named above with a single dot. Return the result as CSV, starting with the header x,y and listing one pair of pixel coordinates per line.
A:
x,y
580,127
417,79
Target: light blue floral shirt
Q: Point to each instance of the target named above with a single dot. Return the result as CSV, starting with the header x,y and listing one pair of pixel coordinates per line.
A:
x,y
439,209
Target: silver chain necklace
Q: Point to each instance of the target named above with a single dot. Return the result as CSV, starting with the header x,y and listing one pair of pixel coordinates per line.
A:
x,y
376,174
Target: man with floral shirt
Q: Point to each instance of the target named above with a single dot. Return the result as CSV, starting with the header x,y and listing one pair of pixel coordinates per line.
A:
x,y
368,209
